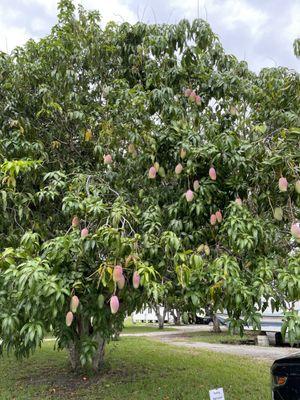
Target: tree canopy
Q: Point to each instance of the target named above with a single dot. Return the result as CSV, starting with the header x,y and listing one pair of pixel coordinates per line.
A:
x,y
136,157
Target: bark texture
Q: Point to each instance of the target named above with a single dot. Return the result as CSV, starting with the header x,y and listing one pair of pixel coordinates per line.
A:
x,y
98,358
160,318
74,356
176,316
216,324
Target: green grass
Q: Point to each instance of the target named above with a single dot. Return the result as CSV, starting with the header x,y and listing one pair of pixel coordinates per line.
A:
x,y
136,369
211,337
144,328
136,328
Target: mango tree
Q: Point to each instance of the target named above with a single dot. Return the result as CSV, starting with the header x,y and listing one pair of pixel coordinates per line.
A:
x,y
140,155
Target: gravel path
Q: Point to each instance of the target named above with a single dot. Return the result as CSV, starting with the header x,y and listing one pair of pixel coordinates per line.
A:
x,y
171,337
263,353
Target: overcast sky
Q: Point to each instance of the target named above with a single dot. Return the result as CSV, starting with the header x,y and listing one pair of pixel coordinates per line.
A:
x,y
259,31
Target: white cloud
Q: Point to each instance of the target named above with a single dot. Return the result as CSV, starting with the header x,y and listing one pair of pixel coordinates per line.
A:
x,y
39,25
229,12
255,31
292,30
12,34
10,37
239,11
112,10
50,6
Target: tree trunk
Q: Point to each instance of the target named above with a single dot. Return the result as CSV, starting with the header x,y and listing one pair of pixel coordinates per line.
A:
x,y
216,327
160,318
98,358
74,356
177,317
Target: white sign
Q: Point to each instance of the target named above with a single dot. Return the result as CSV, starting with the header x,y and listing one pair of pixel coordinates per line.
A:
x,y
216,394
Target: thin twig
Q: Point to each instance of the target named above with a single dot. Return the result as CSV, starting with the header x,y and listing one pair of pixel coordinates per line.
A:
x,y
87,185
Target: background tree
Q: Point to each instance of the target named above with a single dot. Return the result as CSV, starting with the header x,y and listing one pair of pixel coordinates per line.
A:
x,y
145,147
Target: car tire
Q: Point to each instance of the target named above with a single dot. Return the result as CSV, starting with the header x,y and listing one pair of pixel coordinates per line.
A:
x,y
278,339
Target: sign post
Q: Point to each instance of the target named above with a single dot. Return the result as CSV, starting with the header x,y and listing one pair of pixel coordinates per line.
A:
x,y
216,394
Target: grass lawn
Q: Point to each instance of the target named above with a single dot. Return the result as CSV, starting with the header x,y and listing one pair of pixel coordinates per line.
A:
x,y
211,337
136,369
144,328
136,328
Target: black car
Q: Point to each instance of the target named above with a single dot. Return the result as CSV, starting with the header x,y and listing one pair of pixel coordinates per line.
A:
x,y
286,378
203,320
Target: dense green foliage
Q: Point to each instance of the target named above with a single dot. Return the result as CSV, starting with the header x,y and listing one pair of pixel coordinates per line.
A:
x,y
93,124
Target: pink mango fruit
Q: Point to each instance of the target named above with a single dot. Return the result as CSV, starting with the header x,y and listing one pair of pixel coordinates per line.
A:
x,y
107,159
189,195
178,169
198,100
219,216
213,219
283,184
212,174
84,232
69,318
136,279
152,173
192,96
117,273
74,304
114,304
295,231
